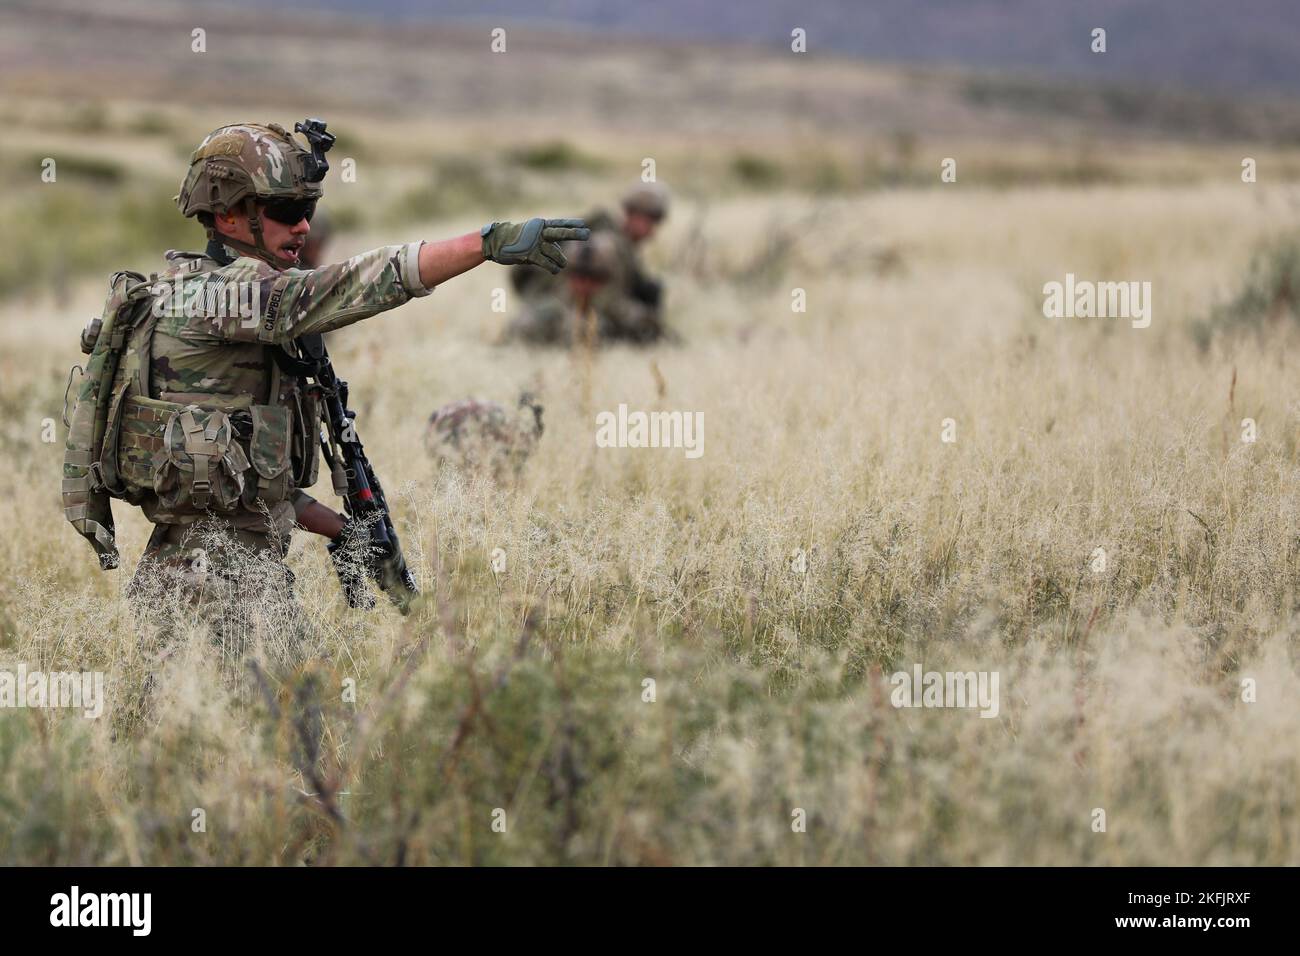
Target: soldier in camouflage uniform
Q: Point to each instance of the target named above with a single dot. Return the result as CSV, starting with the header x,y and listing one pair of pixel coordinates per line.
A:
x,y
565,312
629,303
215,441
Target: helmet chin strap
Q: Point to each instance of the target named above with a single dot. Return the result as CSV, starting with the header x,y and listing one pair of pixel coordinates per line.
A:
x,y
257,250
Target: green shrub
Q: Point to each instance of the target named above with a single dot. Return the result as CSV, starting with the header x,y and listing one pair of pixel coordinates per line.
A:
x,y
756,172
1267,295
104,172
150,124
458,185
554,156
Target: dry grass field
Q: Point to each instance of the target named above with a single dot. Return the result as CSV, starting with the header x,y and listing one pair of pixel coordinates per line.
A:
x,y
523,691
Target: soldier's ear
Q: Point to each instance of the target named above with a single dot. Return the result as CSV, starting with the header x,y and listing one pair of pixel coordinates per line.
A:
x,y
225,221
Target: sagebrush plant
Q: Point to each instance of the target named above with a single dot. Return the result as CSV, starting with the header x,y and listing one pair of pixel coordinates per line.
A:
x,y
523,689
1269,293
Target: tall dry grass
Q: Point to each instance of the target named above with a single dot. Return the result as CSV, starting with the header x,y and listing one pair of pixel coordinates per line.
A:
x,y
1120,690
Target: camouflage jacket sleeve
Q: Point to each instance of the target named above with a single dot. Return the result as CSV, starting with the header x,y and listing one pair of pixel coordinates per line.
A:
x,y
300,302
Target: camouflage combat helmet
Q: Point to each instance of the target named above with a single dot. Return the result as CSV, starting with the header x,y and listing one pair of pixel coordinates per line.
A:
x,y
242,164
650,199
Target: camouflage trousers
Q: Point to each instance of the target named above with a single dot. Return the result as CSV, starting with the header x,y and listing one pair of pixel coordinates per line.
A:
x,y
208,574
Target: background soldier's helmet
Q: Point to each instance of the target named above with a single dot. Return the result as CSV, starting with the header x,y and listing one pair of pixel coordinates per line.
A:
x,y
650,199
245,161
597,258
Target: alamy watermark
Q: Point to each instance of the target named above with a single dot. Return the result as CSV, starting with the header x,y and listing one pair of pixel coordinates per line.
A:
x,y
626,429
216,298
1084,299
82,691
75,908
961,689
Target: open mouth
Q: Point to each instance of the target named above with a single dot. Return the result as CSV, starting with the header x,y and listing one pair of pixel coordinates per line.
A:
x,y
291,252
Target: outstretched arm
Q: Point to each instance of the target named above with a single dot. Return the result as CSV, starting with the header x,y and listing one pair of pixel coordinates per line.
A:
x,y
535,241
440,261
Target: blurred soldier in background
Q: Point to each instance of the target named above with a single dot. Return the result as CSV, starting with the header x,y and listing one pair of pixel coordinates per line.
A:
x,y
564,312
628,303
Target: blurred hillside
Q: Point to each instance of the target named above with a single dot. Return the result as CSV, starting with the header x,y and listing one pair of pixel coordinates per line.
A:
x,y
682,87
1204,44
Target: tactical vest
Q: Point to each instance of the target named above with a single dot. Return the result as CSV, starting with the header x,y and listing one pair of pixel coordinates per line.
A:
x,y
179,461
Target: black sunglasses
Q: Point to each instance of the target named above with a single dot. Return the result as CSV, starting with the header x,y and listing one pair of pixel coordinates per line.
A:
x,y
290,212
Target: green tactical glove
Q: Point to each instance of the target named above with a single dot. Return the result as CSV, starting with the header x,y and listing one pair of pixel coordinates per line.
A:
x,y
534,242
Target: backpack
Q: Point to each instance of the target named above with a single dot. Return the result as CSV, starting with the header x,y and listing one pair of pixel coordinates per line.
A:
x,y
90,478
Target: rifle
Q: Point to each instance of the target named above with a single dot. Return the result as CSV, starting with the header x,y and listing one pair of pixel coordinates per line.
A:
x,y
356,483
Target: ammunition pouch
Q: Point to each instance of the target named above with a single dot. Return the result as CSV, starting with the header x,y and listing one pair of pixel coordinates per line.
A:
x,y
201,464
198,458
269,447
